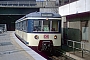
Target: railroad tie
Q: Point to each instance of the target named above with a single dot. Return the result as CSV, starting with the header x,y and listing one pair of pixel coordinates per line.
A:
x,y
54,58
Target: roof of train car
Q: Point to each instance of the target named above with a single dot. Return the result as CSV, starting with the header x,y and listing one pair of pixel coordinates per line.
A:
x,y
39,15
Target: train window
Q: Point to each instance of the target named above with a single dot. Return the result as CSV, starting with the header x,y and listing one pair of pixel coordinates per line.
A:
x,y
19,25
54,26
46,25
24,25
16,26
37,25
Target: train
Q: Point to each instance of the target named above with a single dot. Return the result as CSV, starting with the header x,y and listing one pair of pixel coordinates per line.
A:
x,y
39,30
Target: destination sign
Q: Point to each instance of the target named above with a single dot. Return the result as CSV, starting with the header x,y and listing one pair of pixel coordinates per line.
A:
x,y
47,14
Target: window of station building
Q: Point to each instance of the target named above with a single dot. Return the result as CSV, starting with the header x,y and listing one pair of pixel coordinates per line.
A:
x,y
72,0
63,2
85,30
66,1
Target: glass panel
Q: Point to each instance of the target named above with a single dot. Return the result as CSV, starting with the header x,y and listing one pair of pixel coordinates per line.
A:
x,y
63,2
18,26
37,25
54,26
46,25
72,0
66,1
84,33
24,25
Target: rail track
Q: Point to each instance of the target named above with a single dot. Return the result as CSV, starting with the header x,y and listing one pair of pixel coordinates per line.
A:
x,y
59,54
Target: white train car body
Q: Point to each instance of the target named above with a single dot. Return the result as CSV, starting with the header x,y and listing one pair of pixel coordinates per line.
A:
x,y
39,30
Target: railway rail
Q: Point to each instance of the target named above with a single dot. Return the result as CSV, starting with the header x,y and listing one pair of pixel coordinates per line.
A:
x,y
59,54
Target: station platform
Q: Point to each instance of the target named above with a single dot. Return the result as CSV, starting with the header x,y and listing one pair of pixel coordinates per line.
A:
x,y
13,49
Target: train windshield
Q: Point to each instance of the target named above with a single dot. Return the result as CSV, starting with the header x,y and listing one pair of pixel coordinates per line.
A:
x,y
46,26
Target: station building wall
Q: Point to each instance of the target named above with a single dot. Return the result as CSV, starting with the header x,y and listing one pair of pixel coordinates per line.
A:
x,y
55,10
79,6
77,21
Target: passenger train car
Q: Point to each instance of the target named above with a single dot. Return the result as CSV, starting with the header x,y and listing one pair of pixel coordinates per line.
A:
x,y
40,30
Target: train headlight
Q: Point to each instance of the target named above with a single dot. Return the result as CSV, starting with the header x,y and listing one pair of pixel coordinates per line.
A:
x,y
36,37
55,37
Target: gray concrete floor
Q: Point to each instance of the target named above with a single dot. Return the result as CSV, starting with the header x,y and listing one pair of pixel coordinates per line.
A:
x,y
10,50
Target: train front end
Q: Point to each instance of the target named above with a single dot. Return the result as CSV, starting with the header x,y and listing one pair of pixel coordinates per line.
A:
x,y
46,34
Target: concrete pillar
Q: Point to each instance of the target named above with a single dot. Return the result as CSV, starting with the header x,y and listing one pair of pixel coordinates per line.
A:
x,y
62,26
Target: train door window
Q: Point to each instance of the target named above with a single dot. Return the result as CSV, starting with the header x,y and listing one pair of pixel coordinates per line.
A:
x,y
46,25
37,25
85,29
55,25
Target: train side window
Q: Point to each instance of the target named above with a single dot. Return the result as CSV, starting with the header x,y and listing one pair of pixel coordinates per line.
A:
x,y
19,25
26,25
22,25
